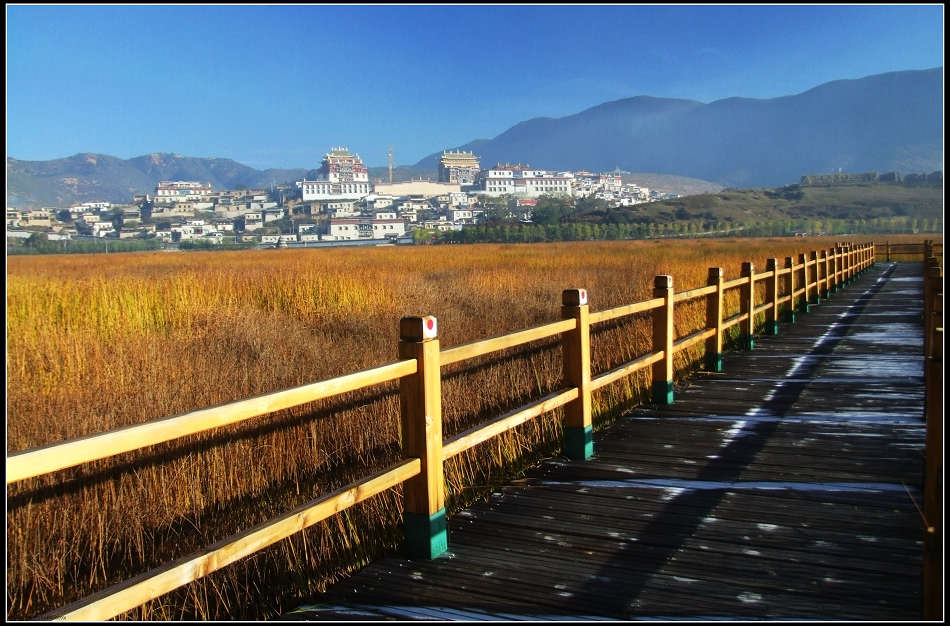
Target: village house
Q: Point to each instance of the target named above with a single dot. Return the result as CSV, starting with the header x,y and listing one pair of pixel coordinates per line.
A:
x,y
37,218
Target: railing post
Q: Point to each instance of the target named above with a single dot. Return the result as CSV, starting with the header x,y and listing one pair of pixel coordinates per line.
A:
x,y
771,297
747,305
842,266
790,313
663,340
420,400
887,247
714,320
578,427
816,298
835,268
932,281
933,447
823,280
846,260
804,307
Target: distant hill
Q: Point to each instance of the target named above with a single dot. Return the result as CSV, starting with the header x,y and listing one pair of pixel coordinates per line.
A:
x,y
884,122
88,177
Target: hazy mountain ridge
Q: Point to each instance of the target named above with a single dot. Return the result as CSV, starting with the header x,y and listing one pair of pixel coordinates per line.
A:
x,y
879,123
99,177
883,122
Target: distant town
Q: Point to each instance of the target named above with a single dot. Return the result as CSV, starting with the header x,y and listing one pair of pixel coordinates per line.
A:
x,y
339,207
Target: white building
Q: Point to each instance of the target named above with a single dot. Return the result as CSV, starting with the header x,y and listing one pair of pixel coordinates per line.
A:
x,y
253,221
341,176
171,191
521,181
366,228
461,215
349,229
101,229
194,229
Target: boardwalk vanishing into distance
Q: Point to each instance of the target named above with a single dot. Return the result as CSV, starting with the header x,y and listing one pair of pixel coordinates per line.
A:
x,y
785,487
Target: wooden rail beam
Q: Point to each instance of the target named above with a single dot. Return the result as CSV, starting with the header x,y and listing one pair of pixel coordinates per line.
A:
x,y
578,427
54,457
134,592
663,340
420,400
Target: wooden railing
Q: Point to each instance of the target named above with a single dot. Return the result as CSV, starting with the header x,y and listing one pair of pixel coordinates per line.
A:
x,y
933,451
925,250
792,287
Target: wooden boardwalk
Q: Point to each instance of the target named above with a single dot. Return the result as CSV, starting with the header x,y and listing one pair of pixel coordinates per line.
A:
x,y
784,488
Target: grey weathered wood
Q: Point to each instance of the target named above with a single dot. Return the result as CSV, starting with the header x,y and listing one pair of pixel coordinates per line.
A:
x,y
837,400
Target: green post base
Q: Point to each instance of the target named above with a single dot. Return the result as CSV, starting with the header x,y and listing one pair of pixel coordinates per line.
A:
x,y
789,317
663,392
748,342
824,294
714,362
805,308
816,301
579,442
426,535
771,328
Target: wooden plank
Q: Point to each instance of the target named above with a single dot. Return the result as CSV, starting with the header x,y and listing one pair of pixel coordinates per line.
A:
x,y
39,461
626,369
735,319
483,432
693,338
502,342
735,282
692,294
628,309
132,593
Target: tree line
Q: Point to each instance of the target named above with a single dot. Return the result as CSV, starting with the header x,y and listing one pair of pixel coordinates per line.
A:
x,y
587,231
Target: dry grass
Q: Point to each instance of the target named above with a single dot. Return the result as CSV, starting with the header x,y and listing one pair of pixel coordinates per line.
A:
x,y
95,342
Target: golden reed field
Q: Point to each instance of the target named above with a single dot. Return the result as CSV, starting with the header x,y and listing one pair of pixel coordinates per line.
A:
x,y
95,342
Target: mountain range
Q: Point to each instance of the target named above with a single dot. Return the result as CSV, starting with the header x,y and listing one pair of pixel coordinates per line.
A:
x,y
882,123
98,177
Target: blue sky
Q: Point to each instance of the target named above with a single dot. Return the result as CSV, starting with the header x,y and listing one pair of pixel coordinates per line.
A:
x,y
277,86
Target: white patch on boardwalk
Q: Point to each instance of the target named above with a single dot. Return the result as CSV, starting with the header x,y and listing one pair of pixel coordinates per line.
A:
x,y
798,363
749,597
673,487
767,527
681,579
